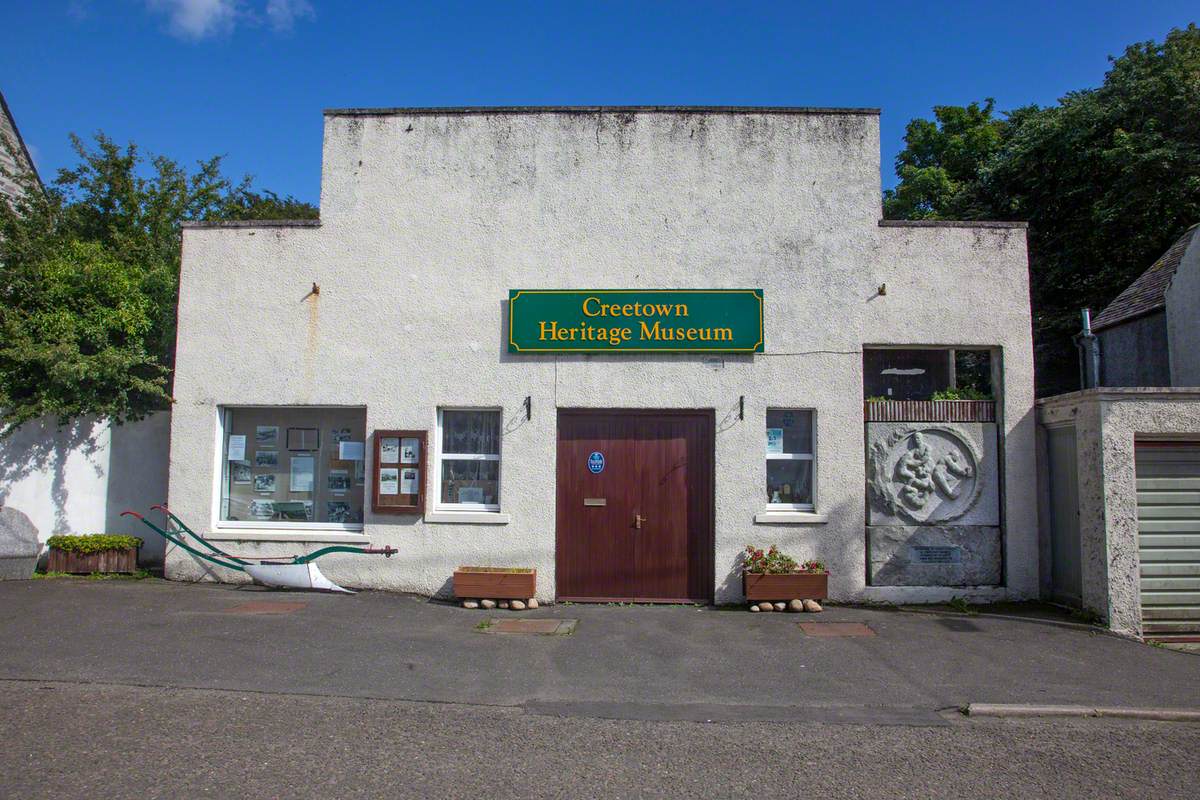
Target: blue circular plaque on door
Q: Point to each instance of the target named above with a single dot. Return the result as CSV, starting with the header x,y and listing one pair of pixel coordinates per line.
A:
x,y
596,462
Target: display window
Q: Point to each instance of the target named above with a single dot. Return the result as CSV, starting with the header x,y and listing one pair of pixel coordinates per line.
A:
x,y
293,466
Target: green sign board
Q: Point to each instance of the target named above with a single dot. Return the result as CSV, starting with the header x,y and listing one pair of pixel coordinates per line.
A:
x,y
635,321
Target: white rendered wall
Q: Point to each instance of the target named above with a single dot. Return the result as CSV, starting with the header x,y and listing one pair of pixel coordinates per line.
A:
x,y
429,219
1108,422
79,478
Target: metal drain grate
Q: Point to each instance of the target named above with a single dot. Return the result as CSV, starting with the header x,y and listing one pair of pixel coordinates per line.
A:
x,y
536,627
836,629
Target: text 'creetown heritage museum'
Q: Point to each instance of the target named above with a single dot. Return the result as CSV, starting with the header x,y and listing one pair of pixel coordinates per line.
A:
x,y
523,337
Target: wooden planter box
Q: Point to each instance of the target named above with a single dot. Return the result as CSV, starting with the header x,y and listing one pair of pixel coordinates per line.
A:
x,y
87,563
494,583
796,586
930,411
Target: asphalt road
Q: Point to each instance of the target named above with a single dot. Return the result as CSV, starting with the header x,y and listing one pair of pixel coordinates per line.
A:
x,y
77,741
153,689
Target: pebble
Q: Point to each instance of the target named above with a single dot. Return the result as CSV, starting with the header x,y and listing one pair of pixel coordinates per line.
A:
x,y
754,608
812,606
780,606
518,605
504,604
470,604
487,603
533,603
796,605
765,607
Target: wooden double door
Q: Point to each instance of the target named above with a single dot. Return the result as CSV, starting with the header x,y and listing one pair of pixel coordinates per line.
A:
x,y
635,505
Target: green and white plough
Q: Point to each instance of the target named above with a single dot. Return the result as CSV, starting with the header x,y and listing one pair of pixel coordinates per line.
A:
x,y
292,572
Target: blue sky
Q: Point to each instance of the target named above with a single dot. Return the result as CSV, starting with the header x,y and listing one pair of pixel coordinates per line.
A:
x,y
249,78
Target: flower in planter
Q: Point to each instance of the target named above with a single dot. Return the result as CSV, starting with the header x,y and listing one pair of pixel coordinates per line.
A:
x,y
773,562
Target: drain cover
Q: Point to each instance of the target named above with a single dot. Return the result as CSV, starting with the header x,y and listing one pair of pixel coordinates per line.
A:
x,y
542,627
266,607
836,629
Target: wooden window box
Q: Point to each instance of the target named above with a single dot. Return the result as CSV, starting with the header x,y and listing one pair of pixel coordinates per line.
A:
x,y
124,560
794,586
929,411
495,583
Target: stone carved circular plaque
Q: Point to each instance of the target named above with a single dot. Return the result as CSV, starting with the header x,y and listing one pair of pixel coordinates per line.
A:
x,y
929,475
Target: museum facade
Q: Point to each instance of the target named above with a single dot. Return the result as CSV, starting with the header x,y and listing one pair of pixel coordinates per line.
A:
x,y
615,345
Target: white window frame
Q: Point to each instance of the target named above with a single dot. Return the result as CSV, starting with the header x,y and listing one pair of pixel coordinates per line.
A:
x,y
439,457
232,530
811,456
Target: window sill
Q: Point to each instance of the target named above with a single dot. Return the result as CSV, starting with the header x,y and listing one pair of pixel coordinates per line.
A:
x,y
284,535
790,518
469,517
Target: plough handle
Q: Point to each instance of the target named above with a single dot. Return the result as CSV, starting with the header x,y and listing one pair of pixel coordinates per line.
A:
x,y
211,548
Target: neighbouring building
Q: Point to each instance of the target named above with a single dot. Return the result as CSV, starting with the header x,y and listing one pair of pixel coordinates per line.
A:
x,y
1149,334
616,345
1121,461
13,162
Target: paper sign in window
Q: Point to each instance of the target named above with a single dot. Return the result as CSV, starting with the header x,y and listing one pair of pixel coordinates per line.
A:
x,y
389,480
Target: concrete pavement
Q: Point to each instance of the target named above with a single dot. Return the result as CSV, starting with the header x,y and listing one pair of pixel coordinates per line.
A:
x,y
406,648
150,689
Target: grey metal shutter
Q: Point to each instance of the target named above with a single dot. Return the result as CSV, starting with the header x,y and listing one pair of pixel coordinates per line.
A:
x,y
1168,494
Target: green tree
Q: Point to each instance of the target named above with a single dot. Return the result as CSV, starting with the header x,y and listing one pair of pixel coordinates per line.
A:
x,y
89,278
1108,178
939,166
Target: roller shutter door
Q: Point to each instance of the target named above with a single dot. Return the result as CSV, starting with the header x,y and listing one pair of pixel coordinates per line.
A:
x,y
1168,493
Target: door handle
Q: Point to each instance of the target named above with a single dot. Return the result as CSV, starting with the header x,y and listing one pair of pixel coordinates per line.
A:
x,y
638,519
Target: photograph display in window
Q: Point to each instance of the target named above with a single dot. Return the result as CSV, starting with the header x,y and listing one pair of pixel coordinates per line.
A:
x,y
399,463
311,482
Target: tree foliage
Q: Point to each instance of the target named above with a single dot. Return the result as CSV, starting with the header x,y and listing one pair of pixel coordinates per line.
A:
x,y
89,277
1108,178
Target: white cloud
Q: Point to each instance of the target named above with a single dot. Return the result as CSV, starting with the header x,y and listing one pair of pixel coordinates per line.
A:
x,y
282,14
198,19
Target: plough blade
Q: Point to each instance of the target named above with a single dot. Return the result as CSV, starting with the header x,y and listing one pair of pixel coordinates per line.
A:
x,y
293,576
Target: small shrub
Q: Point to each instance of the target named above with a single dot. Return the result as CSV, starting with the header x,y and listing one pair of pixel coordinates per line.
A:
x,y
93,543
961,393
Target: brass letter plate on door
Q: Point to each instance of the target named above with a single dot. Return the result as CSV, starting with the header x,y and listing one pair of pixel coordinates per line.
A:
x,y
595,501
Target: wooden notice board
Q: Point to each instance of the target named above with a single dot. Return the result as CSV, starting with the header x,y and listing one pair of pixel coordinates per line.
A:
x,y
398,472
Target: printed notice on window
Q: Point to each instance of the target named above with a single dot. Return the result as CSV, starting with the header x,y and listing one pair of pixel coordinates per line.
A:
x,y
774,440
237,448
389,450
408,481
389,479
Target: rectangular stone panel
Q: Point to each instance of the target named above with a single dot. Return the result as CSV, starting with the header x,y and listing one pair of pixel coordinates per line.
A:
x,y
932,473
959,555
